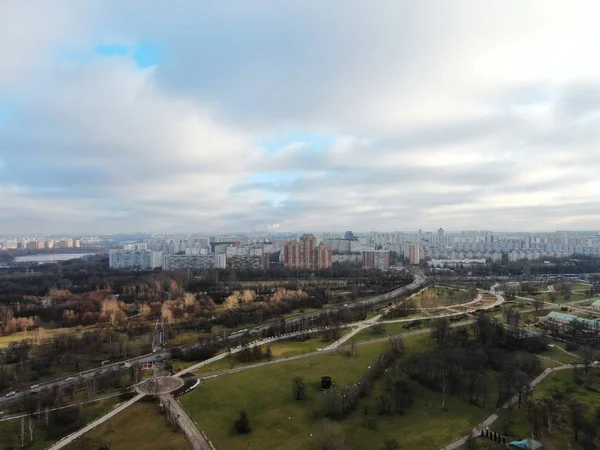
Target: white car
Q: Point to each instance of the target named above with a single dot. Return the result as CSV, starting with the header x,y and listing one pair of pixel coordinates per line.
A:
x,y
35,386
69,379
11,393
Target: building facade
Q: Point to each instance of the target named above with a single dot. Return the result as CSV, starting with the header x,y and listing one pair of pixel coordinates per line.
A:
x,y
339,246
322,257
134,259
414,253
249,262
306,255
376,259
188,262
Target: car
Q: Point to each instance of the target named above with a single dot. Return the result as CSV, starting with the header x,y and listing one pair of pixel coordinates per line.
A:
x,y
11,393
69,379
35,386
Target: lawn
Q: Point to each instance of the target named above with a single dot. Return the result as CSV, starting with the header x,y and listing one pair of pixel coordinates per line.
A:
x,y
10,429
266,394
425,426
440,296
279,349
390,329
139,426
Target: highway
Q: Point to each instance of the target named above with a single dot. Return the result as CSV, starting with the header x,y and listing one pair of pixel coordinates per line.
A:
x,y
161,354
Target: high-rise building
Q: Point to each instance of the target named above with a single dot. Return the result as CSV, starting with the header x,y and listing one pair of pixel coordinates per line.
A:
x,y
291,255
440,236
414,253
322,257
66,243
338,245
307,246
306,255
376,259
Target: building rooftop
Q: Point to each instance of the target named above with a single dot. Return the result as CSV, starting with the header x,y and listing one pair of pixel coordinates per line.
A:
x,y
596,303
526,444
570,317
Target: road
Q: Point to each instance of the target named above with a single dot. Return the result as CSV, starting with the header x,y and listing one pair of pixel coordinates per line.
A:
x,y
80,377
194,437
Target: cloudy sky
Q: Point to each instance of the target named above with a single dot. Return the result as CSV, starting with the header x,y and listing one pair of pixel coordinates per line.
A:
x,y
221,116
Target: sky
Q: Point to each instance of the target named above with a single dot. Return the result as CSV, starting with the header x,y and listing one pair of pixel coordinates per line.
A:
x,y
197,115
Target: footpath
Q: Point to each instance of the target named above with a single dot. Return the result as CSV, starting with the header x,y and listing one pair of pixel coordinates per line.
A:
x,y
491,419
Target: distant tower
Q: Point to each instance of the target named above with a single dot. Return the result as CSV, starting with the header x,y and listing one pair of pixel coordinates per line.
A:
x,y
349,235
440,234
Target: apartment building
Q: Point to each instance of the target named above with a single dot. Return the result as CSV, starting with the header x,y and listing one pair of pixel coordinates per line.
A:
x,y
189,262
376,259
134,259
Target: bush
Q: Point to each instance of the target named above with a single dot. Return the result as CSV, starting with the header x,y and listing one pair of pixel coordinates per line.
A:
x,y
242,423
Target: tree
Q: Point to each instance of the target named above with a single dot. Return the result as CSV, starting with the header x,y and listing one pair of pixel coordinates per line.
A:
x,y
269,353
587,353
242,423
521,383
391,444
378,328
298,388
332,437
440,331
578,411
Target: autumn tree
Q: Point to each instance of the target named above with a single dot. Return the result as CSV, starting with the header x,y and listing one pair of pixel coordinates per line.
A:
x,y
247,296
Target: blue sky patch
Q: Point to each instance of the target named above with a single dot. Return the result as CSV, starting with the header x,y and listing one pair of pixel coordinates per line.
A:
x,y
273,177
314,142
144,54
112,50
147,54
3,115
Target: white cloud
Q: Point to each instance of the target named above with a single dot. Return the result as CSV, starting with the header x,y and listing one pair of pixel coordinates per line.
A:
x,y
471,114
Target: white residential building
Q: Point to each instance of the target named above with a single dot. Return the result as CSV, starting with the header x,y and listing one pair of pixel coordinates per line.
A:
x,y
134,259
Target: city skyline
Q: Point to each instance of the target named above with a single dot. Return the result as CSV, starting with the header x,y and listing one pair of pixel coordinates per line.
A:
x,y
287,116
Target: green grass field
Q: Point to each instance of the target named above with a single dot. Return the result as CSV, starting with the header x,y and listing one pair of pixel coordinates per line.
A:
x,y
265,393
390,330
10,430
440,296
139,426
279,349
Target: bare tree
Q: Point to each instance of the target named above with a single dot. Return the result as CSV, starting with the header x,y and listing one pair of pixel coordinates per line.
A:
x,y
22,435
298,388
332,437
30,423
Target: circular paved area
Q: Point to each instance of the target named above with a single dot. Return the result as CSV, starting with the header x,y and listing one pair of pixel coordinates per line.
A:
x,y
159,385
